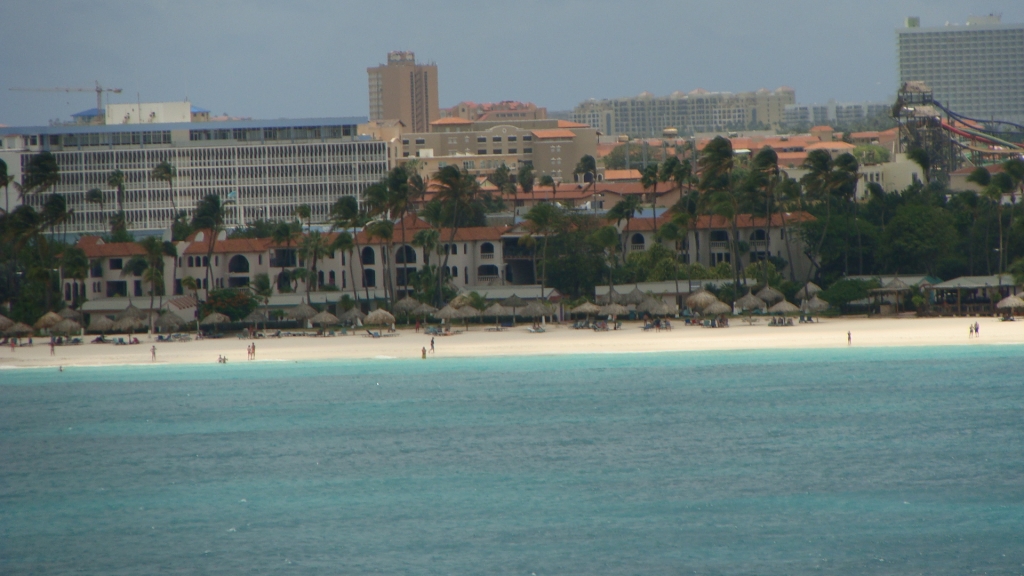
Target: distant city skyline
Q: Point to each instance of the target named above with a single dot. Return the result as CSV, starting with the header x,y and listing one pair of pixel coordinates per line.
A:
x,y
267,60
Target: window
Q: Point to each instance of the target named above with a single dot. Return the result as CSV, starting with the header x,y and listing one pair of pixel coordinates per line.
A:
x,y
421,141
528,138
238,264
368,257
527,150
455,271
138,287
191,262
206,261
496,139
405,141
511,138
116,264
481,138
369,278
497,150
512,151
482,151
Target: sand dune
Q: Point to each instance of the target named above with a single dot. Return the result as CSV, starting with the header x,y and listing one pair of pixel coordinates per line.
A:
x,y
829,333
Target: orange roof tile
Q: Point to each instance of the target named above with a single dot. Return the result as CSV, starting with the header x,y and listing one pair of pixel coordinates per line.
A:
x,y
450,120
234,246
568,124
554,133
95,247
830,146
631,174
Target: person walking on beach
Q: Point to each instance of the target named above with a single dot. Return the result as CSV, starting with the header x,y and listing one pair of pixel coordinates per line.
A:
x,y
970,329
253,350
977,334
52,352
849,339
152,351
431,344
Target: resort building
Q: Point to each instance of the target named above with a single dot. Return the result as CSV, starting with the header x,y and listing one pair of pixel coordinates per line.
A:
x,y
259,168
404,90
552,147
833,113
976,70
689,113
504,111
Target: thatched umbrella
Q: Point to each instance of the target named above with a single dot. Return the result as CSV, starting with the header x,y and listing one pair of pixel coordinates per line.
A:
x,y
614,310
612,297
648,304
770,295
5,322
352,314
815,304
663,309
635,296
446,313
424,309
535,309
18,329
717,307
750,302
323,319
379,316
496,310
129,324
406,305
513,302
170,321
809,290
71,313
701,298
131,311
459,301
100,324
66,326
47,320
784,307
1011,302
254,317
586,308
214,319
302,312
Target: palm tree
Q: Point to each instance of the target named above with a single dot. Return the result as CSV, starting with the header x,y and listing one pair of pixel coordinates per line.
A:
x,y
675,231
788,194
95,196
547,180
765,176
189,283
116,181
525,178
209,213
920,157
313,247
346,215
543,219
717,162
285,233
153,255
262,289
5,181
1001,184
625,209
587,165
819,183
649,180
75,265
170,250
455,191
607,239
344,243
304,212
384,230
39,175
165,172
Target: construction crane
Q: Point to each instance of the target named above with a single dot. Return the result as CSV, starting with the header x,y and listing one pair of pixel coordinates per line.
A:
x,y
98,89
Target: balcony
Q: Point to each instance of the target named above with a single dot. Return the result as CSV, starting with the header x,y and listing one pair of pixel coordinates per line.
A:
x,y
758,244
719,244
487,256
483,279
637,247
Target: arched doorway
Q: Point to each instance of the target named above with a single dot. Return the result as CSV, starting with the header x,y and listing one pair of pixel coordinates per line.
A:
x,y
238,265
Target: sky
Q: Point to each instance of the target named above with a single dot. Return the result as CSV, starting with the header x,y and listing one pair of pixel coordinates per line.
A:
x,y
307,59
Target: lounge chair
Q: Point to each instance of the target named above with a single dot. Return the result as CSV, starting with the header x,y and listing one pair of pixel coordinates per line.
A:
x,y
370,334
538,330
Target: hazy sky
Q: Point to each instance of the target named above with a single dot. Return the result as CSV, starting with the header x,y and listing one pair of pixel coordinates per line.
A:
x,y
295,59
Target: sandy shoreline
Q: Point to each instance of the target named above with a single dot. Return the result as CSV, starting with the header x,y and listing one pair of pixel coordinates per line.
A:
x,y
829,333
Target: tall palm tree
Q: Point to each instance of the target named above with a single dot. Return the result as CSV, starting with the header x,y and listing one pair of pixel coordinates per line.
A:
x,y
547,180
344,243
165,172
313,247
524,178
41,173
625,209
765,176
170,250
455,191
305,212
285,233
607,239
347,215
717,162
543,219
587,165
116,181
262,289
209,213
95,196
153,254
675,231
788,195
75,265
5,181
384,230
649,180
819,182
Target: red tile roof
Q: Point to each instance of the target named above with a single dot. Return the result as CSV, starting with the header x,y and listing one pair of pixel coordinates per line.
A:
x,y
95,247
554,133
233,246
568,124
450,121
715,221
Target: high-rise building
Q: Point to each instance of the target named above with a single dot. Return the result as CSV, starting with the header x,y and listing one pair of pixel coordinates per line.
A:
x,y
696,111
261,169
834,113
404,90
976,70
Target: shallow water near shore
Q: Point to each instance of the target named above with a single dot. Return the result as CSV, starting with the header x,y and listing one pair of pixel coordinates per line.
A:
x,y
840,461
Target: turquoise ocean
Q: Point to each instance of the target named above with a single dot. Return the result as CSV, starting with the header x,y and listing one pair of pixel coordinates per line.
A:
x,y
841,461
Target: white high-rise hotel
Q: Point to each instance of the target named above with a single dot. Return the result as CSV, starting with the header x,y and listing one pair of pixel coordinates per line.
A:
x,y
259,168
975,70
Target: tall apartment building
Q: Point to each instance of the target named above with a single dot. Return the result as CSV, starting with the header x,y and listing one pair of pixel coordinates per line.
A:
x,y
259,168
404,90
696,111
976,70
834,113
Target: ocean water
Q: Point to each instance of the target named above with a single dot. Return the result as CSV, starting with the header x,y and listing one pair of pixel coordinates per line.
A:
x,y
845,461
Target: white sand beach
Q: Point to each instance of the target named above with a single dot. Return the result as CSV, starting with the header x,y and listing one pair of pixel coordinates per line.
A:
x,y
558,339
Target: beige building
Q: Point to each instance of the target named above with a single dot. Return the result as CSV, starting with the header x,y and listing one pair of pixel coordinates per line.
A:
x,y
504,111
404,90
553,147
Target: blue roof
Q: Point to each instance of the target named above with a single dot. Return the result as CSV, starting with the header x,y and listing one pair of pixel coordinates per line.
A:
x,y
198,110
90,113
228,125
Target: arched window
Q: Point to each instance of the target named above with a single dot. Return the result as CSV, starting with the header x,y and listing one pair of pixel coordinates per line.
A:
x,y
369,278
191,262
757,235
487,248
367,256
637,238
238,264
332,279
455,271
406,255
486,272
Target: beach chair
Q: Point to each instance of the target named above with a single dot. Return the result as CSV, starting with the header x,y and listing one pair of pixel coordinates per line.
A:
x,y
370,334
537,330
